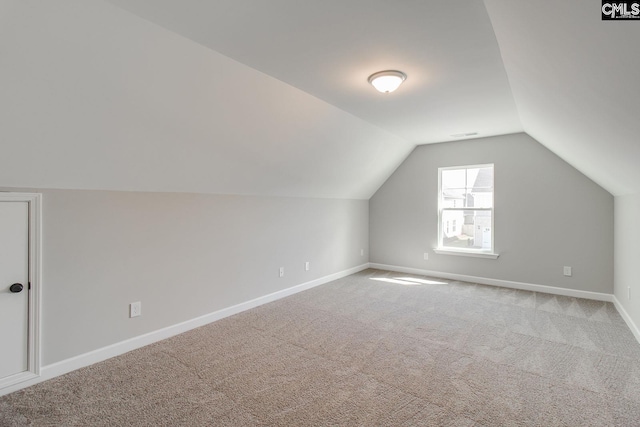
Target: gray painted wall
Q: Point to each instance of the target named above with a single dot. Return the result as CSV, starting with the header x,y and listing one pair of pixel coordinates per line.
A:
x,y
547,215
181,255
627,254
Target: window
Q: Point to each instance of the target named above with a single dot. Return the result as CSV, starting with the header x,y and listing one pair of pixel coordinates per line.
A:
x,y
465,209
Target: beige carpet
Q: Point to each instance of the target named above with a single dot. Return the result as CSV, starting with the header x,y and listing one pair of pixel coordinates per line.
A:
x,y
375,348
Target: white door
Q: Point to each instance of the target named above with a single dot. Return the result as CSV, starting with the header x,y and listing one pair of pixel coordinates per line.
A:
x,y
14,275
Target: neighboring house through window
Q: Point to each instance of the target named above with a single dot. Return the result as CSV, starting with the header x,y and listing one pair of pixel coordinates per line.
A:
x,y
465,209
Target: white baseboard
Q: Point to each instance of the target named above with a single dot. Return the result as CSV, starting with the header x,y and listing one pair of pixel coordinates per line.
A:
x,y
598,296
98,355
95,356
630,323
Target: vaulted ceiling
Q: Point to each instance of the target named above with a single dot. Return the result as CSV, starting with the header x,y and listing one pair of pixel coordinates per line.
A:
x,y
271,98
456,80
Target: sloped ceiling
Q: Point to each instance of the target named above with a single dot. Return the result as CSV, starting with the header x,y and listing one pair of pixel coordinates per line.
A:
x,y
456,80
575,81
93,97
271,98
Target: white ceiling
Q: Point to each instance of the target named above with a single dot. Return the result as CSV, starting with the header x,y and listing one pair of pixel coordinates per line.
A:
x,y
93,97
456,79
271,98
575,81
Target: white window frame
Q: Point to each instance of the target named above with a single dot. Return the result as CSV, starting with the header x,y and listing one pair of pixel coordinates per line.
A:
x,y
481,253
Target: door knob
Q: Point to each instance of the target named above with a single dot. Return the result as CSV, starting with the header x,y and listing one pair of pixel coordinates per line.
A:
x,y
16,287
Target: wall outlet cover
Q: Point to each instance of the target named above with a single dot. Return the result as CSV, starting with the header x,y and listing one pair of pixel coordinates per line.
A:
x,y
135,309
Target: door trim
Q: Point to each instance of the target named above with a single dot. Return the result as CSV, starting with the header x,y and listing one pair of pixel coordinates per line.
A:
x,y
34,201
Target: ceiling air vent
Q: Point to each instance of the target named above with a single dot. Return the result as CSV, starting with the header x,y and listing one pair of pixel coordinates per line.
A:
x,y
464,135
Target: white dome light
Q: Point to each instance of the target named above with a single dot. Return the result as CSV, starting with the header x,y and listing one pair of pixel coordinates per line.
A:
x,y
387,81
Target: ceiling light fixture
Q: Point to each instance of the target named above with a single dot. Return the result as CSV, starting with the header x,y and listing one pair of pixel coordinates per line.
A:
x,y
387,81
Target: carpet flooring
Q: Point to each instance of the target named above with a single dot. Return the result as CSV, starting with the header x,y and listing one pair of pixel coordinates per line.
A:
x,y
374,348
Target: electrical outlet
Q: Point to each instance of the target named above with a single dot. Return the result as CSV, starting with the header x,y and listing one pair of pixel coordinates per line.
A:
x,y
361,252
135,309
281,271
306,266
567,271
426,256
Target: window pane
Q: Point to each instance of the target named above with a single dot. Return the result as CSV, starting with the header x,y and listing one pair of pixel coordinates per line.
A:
x,y
469,229
453,178
453,198
480,178
472,187
480,199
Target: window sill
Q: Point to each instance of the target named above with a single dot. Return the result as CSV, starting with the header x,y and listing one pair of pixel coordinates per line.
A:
x,y
476,254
